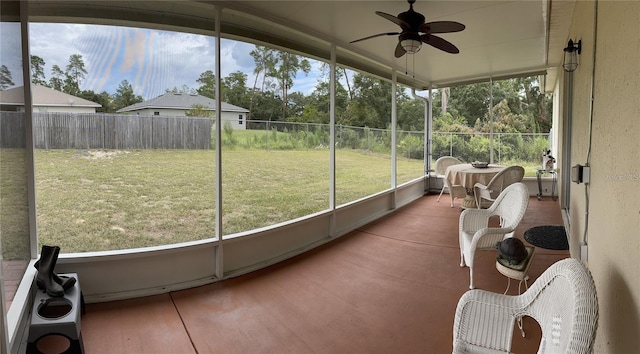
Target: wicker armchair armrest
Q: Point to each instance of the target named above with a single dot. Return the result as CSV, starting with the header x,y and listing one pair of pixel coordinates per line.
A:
x,y
474,219
487,237
484,322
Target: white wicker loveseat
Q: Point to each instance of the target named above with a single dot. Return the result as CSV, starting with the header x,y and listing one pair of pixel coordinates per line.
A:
x,y
562,300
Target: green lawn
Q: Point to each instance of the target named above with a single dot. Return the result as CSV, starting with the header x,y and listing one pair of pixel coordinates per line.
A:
x,y
14,208
105,200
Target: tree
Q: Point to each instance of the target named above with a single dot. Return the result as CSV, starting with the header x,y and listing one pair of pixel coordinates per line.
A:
x,y
5,77
534,104
318,104
470,101
342,75
266,106
207,82
346,80
295,106
234,89
371,104
184,89
75,73
198,110
311,114
285,70
450,123
436,101
521,95
70,86
57,78
37,70
264,61
103,98
410,114
505,120
125,96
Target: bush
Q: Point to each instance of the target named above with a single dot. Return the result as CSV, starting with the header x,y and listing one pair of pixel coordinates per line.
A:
x,y
533,151
411,146
229,139
348,138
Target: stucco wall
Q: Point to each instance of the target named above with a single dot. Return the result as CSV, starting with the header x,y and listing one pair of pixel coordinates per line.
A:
x,y
62,109
581,29
612,199
232,117
162,112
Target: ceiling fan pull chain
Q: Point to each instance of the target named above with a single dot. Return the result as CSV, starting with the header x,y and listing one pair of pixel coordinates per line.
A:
x,y
413,74
406,65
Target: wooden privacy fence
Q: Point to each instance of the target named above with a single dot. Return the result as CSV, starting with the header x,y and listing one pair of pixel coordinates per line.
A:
x,y
12,128
106,131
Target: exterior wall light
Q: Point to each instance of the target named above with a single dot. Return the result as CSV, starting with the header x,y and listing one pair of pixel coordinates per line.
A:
x,y
571,52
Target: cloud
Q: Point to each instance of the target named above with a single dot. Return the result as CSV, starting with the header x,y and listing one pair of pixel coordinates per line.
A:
x,y
152,61
11,50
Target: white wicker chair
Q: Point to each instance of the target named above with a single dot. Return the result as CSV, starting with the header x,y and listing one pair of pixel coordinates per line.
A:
x,y
474,232
498,183
455,191
562,300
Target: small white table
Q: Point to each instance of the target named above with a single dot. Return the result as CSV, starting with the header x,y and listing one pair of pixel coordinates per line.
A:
x,y
518,272
554,175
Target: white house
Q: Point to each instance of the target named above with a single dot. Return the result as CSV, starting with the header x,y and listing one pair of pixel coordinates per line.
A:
x,y
177,104
45,100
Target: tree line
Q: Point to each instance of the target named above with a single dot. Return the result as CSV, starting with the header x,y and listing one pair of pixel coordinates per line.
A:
x,y
69,81
516,105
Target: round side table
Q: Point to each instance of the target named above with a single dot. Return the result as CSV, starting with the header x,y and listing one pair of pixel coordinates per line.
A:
x,y
518,272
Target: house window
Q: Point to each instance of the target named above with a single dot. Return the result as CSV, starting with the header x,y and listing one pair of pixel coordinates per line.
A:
x,y
156,113
240,119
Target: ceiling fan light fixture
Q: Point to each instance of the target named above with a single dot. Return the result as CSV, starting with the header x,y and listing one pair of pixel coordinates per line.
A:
x,y
415,31
411,46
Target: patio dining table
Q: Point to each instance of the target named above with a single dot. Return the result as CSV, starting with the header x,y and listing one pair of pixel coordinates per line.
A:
x,y
467,176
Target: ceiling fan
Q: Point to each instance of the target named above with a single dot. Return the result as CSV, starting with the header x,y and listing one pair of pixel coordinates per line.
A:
x,y
415,32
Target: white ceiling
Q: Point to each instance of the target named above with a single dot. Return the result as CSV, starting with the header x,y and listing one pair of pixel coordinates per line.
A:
x,y
501,39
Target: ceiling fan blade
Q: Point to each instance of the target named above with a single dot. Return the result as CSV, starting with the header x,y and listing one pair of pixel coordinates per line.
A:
x,y
439,43
393,19
442,27
376,35
399,50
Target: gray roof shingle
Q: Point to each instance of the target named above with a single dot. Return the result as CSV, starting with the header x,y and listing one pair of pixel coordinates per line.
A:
x,y
44,96
185,101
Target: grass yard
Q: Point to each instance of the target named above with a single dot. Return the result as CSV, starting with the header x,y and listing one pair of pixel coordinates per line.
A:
x,y
14,208
94,200
107,200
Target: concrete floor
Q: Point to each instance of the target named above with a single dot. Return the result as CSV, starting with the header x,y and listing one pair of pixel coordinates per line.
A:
x,y
389,287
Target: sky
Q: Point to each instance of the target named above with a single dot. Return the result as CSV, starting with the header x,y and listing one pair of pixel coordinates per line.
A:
x,y
152,61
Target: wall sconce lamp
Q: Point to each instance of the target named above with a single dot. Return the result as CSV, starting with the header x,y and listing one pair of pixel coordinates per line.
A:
x,y
571,52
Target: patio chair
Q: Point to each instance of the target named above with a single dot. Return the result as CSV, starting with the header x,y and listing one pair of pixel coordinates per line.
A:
x,y
455,191
562,300
474,232
485,195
